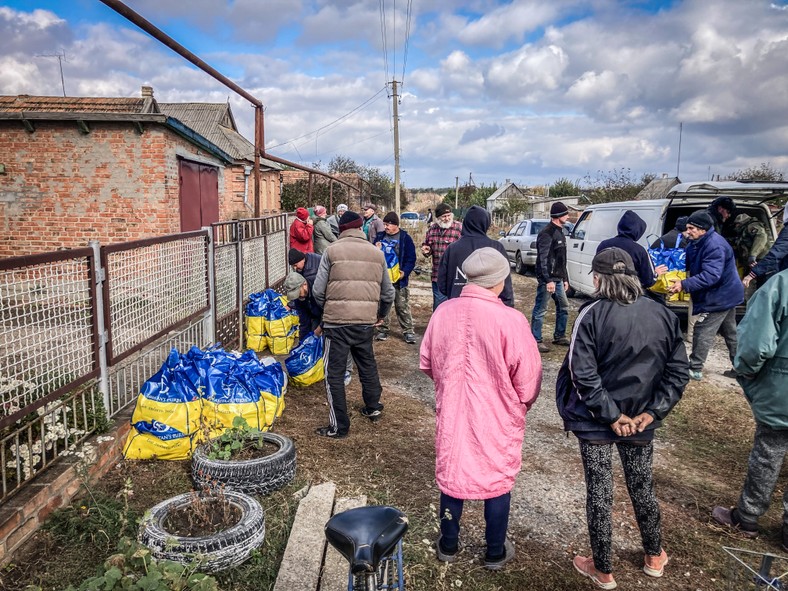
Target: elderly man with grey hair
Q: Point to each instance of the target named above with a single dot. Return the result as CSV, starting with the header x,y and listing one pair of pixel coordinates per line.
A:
x,y
487,373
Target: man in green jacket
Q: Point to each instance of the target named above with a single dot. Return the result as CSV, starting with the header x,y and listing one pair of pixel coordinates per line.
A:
x,y
762,364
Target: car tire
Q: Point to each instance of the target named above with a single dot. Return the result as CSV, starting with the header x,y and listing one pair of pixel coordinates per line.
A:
x,y
259,476
519,265
214,553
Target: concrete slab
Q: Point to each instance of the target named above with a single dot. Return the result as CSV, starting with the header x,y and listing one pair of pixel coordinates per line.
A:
x,y
303,558
335,567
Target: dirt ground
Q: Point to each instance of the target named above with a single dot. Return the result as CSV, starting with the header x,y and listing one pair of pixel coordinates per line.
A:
x,y
700,461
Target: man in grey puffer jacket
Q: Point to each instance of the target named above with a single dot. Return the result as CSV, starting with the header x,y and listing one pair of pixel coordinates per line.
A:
x,y
355,292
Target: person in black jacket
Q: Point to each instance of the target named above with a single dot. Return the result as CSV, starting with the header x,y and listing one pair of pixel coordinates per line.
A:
x,y
552,277
625,370
451,279
630,229
671,239
723,211
305,263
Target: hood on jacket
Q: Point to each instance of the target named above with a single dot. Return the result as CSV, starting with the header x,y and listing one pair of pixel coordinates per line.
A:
x,y
631,225
476,222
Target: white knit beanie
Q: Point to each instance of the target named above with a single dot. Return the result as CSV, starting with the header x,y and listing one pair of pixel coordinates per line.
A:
x,y
486,267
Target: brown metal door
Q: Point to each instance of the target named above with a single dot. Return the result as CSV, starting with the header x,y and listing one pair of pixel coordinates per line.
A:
x,y
199,195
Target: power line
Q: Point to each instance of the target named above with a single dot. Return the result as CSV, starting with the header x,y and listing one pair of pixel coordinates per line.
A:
x,y
334,150
409,14
383,37
327,125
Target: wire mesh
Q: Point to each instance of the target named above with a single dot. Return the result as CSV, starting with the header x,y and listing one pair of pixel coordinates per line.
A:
x,y
226,279
277,257
254,252
748,570
153,288
46,330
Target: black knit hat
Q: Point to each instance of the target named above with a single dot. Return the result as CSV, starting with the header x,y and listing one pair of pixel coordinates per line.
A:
x,y
442,209
700,219
558,210
349,219
295,256
681,223
391,218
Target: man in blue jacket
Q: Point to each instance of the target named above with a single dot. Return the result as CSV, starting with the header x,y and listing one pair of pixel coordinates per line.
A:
x,y
451,279
715,288
762,365
398,241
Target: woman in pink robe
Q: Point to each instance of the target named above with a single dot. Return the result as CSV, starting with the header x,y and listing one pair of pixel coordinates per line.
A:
x,y
487,373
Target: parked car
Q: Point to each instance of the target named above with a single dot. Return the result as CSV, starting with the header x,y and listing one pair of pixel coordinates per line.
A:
x,y
409,219
520,243
600,221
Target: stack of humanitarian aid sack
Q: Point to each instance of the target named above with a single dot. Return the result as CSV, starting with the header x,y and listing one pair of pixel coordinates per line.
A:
x,y
198,395
270,323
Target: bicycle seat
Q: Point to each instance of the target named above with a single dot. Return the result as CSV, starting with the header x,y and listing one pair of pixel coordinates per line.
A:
x,y
365,535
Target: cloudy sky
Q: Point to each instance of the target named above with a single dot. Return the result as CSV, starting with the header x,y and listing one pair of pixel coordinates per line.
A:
x,y
528,90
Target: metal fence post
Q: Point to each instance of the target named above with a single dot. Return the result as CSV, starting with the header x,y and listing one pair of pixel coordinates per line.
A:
x,y
239,254
103,380
210,328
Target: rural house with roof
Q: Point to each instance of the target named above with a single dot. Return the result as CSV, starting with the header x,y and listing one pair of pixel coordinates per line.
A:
x,y
74,169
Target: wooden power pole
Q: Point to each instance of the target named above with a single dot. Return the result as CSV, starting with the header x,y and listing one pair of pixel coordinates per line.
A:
x,y
396,148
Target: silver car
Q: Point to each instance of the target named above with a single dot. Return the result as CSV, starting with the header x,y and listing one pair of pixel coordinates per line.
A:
x,y
520,243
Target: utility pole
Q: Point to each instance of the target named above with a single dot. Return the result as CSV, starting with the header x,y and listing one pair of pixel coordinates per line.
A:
x,y
456,191
678,161
396,147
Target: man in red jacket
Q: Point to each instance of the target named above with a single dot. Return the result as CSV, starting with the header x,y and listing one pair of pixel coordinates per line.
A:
x,y
301,231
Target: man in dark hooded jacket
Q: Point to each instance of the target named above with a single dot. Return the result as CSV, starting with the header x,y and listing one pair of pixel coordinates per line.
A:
x,y
723,211
451,279
630,228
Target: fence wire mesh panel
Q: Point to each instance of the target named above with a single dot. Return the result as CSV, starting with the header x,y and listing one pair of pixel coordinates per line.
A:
x,y
277,257
748,570
225,279
46,329
154,287
126,378
254,251
52,431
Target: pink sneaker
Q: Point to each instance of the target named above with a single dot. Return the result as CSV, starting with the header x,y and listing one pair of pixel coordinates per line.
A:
x,y
585,566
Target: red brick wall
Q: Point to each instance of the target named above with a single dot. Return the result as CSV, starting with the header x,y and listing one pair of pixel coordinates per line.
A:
x,y
63,188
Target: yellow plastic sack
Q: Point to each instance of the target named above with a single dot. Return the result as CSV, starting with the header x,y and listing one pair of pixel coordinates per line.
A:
x,y
665,280
155,441
183,416
282,345
255,333
259,415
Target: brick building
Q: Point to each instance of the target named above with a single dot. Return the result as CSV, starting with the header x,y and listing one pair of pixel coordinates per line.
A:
x,y
119,169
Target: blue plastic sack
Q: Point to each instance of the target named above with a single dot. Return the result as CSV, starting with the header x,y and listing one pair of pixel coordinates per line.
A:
x,y
305,363
675,259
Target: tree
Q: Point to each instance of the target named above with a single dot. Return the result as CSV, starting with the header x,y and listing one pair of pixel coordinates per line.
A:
x,y
616,185
563,187
764,173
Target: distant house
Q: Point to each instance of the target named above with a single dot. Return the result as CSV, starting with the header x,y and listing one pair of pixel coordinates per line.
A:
x,y
507,192
658,188
118,169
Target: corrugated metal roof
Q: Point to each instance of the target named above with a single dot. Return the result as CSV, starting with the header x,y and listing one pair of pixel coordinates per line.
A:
x,y
215,122
60,104
657,188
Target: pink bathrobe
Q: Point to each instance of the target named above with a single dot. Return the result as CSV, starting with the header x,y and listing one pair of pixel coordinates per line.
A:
x,y
487,373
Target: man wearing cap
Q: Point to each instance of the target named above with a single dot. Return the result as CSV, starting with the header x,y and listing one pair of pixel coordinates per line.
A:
x,y
451,278
372,225
676,238
552,277
442,232
305,263
354,290
625,370
301,231
487,374
630,228
333,220
300,298
399,243
715,288
322,235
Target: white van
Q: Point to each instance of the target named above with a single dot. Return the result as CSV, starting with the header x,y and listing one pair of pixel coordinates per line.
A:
x,y
600,221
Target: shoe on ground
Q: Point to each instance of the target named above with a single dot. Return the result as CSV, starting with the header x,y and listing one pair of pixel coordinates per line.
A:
x,y
348,378
563,341
330,432
730,373
410,338
543,348
372,415
695,375
730,517
585,566
381,336
497,563
443,555
654,566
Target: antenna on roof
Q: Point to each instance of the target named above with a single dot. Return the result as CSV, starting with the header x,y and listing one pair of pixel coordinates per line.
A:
x,y
61,57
